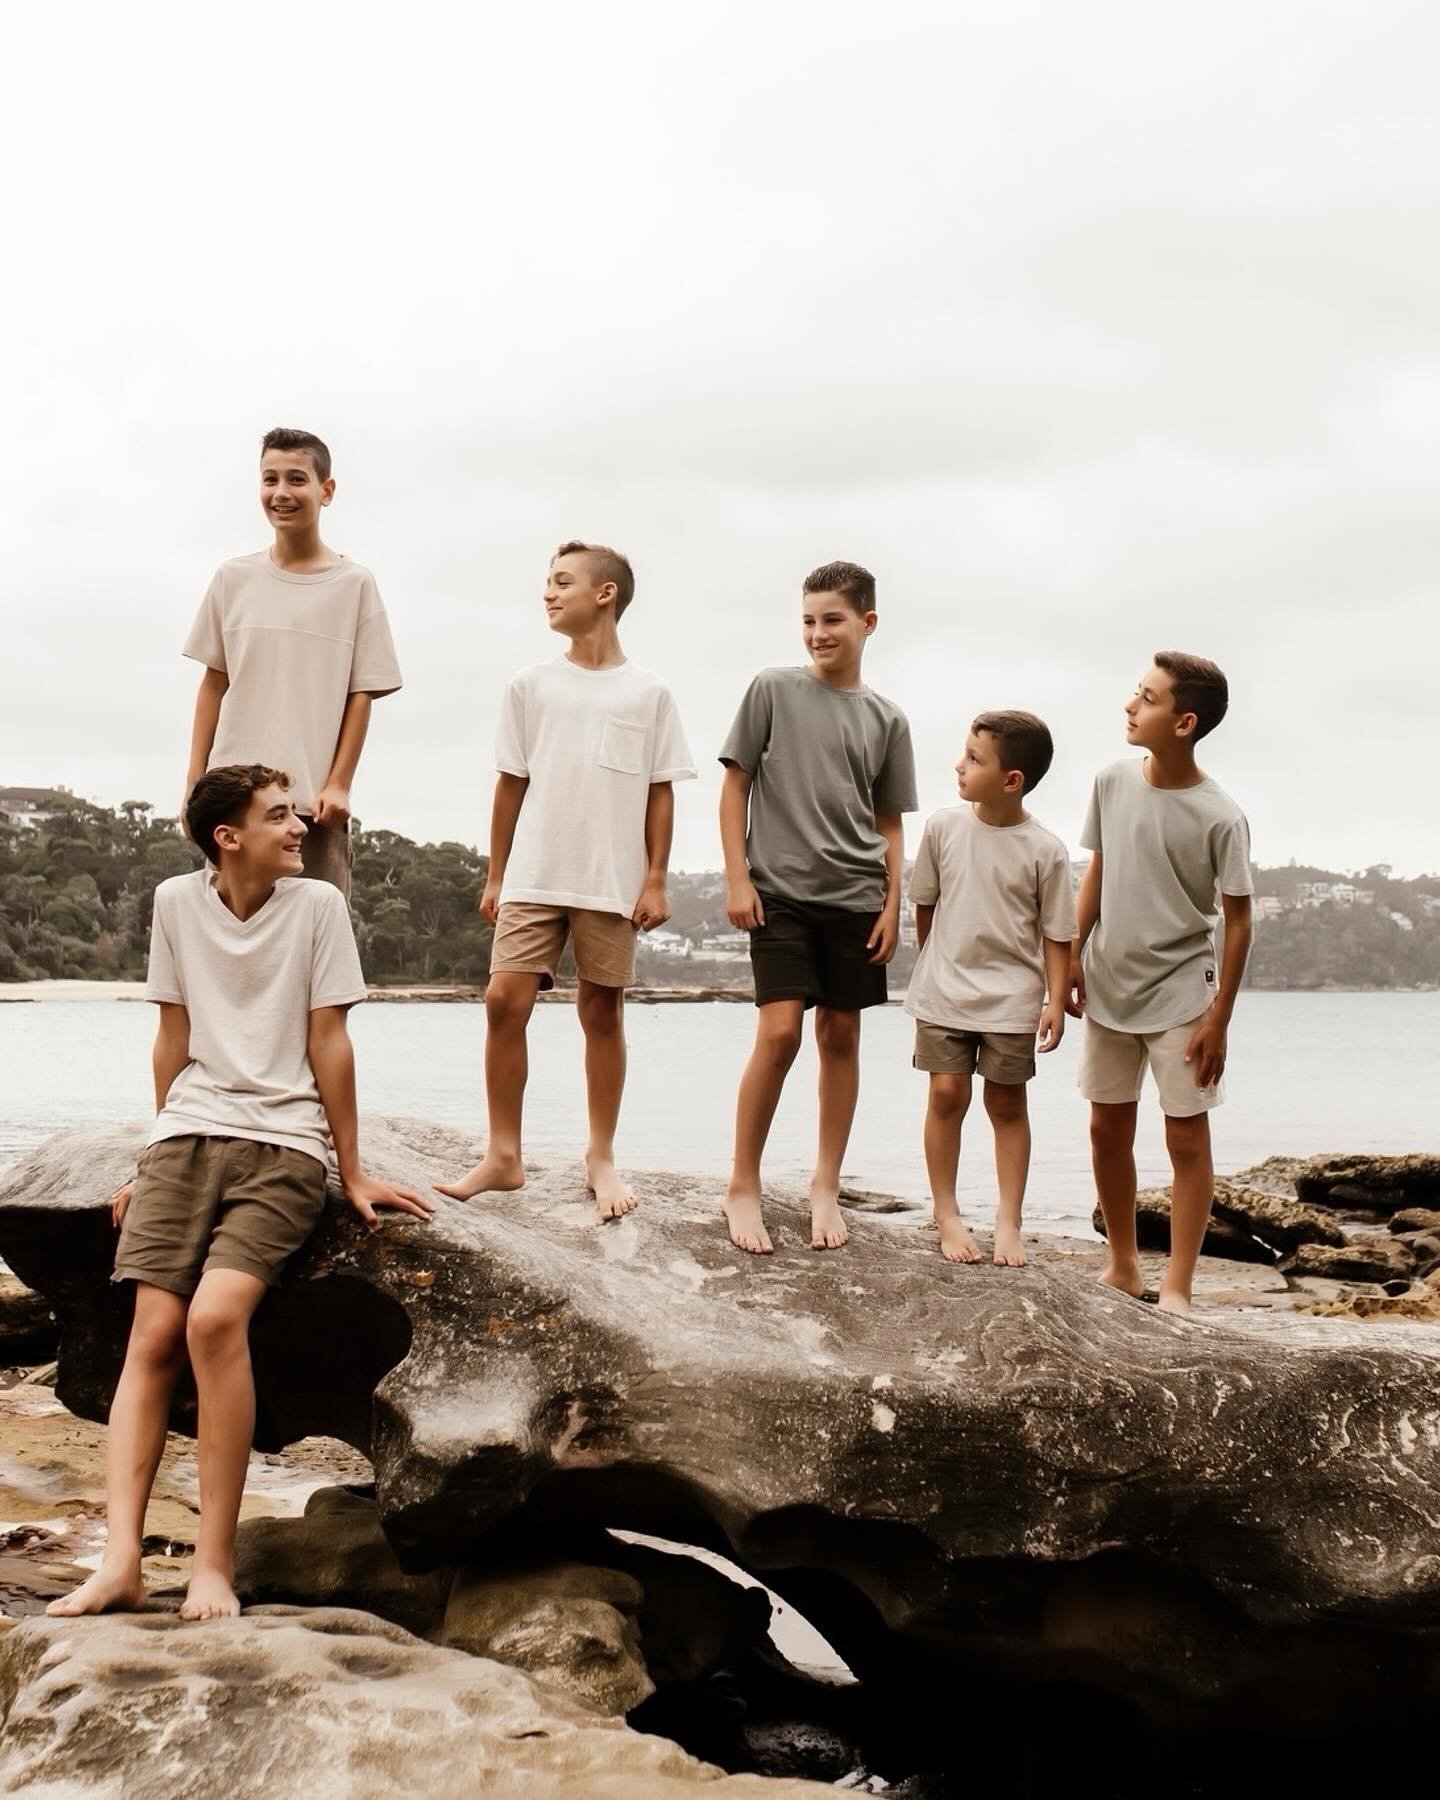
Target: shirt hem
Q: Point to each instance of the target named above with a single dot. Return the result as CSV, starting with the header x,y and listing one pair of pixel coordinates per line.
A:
x,y
1000,1027
672,775
581,902
349,998
179,1127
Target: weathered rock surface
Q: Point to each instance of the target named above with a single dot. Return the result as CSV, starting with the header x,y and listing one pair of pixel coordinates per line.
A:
x,y
1370,1184
29,1330
1222,1237
1371,1257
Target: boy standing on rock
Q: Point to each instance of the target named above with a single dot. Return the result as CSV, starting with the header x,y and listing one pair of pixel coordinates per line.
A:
x,y
296,646
253,972
588,748
1165,839
818,771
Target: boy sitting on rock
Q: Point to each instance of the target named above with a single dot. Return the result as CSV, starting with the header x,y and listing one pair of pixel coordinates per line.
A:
x,y
253,971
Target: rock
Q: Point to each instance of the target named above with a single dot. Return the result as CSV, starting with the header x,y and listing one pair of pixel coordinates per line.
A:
x,y
1374,1184
1281,1223
332,1704
1222,1238
1362,1258
693,1620
1424,1248
29,1331
1415,1218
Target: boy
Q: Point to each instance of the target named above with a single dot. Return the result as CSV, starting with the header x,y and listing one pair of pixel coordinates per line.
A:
x,y
818,770
995,917
1165,838
587,749
296,646
253,973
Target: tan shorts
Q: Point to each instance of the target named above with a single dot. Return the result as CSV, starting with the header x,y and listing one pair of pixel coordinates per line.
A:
x,y
204,1203
327,854
530,940
1113,1063
1004,1056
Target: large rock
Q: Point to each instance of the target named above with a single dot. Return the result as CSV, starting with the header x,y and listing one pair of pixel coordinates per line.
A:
x,y
1370,1184
1223,1238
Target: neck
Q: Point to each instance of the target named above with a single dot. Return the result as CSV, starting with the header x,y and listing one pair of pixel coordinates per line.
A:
x,y
597,648
1008,810
845,676
304,552
1174,766
241,891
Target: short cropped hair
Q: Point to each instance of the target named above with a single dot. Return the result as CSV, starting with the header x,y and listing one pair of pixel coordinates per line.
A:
x,y
848,579
1022,741
222,797
1199,687
286,437
605,565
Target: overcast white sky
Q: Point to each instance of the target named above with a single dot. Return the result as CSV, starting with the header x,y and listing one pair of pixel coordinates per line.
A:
x,y
1092,329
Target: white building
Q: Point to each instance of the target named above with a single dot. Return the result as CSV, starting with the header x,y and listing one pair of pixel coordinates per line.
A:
x,y
29,806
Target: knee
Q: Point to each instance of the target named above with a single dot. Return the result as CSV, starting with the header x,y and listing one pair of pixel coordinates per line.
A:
x,y
158,1343
949,1096
601,1010
837,1034
1109,1132
1188,1141
1005,1101
506,1009
779,1045
214,1331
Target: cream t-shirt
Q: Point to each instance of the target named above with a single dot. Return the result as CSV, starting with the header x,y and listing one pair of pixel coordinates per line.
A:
x,y
998,891
249,987
295,648
592,742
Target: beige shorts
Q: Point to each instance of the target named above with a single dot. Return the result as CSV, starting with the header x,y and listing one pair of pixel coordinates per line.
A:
x,y
204,1203
1004,1056
1113,1063
530,940
327,854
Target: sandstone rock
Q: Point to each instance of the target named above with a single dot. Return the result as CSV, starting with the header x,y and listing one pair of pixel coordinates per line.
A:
x,y
1415,1218
1424,1248
29,1331
1370,1257
1375,1184
1222,1238
1276,1220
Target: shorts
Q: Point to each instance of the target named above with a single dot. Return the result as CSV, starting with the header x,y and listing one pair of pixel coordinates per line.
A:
x,y
530,940
327,854
1004,1056
203,1203
818,954
1112,1068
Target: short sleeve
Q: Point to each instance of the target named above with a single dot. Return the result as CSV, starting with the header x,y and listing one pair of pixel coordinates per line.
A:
x,y
206,642
1057,897
894,790
1232,857
510,758
1090,830
373,666
925,876
749,734
162,974
671,760
336,978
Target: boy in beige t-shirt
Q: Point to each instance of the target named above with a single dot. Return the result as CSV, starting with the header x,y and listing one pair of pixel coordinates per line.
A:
x,y
296,646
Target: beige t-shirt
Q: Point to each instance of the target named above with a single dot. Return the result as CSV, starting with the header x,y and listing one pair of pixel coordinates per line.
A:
x,y
295,648
249,987
997,890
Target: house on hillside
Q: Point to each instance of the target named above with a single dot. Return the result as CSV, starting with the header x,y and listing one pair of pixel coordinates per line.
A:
x,y
30,806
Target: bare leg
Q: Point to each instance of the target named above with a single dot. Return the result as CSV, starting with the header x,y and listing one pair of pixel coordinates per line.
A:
x,y
1112,1156
945,1111
1188,1141
1009,1115
134,1443
837,1037
509,1002
602,1019
218,1334
777,1041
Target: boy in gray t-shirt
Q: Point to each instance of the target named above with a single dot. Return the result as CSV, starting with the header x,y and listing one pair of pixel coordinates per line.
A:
x,y
1166,839
818,770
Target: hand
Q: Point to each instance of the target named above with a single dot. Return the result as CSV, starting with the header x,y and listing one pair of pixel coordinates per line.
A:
x,y
1207,1051
332,805
742,906
120,1202
653,907
1052,1026
1075,999
488,905
884,940
365,1193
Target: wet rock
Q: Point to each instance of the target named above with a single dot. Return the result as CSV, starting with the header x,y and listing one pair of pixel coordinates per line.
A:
x,y
1373,1257
29,1331
1374,1184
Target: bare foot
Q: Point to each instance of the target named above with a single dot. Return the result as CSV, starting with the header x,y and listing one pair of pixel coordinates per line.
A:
x,y
957,1240
828,1231
1009,1251
612,1197
107,1590
747,1222
1173,1302
1128,1280
210,1596
497,1172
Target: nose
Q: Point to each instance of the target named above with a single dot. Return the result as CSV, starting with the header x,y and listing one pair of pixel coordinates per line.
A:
x,y
295,819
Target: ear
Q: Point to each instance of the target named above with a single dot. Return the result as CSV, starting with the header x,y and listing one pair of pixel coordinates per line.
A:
x,y
1014,781
327,490
1185,724
227,837
606,594
872,619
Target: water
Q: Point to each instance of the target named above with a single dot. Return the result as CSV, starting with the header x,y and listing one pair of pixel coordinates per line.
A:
x,y
1308,1073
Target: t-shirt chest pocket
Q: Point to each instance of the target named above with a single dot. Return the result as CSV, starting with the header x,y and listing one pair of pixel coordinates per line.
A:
x,y
622,746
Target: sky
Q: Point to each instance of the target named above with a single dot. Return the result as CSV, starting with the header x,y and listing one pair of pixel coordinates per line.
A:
x,y
1092,330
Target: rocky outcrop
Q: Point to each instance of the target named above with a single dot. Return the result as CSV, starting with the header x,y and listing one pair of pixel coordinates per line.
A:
x,y
29,1331
1374,1185
1222,1238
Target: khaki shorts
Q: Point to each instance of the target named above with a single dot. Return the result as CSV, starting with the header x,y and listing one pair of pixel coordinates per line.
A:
x,y
327,854
1113,1063
1004,1056
530,940
203,1203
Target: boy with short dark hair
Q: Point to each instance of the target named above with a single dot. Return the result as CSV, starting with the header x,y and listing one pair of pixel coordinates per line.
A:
x,y
1166,839
818,771
296,646
995,916
253,973
588,747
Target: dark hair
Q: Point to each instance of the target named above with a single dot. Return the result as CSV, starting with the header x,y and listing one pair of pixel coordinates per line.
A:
x,y
847,579
1199,687
1022,741
222,797
286,437
605,565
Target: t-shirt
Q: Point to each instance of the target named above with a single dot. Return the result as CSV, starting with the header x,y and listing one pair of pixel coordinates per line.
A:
x,y
1150,961
249,987
295,648
998,891
592,742
824,762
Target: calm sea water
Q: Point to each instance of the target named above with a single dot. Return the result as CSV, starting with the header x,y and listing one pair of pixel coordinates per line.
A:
x,y
1308,1073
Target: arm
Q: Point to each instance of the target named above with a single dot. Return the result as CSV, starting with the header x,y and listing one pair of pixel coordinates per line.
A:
x,y
504,816
170,1055
742,903
1087,914
886,935
1057,992
332,803
1208,1046
213,686
924,919
333,1060
653,907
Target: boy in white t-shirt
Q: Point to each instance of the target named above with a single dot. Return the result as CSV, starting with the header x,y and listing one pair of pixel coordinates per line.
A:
x,y
587,749
296,646
995,915
253,973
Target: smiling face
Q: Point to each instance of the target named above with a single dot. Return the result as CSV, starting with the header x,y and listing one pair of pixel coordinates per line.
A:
x,y
1151,721
833,631
574,599
291,492
266,842
982,779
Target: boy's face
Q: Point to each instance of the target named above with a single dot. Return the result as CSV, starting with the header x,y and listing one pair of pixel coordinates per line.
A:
x,y
291,492
574,600
266,843
1151,720
982,780
834,632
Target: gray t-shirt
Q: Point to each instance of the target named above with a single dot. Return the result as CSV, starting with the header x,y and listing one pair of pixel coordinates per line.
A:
x,y
824,762
1150,961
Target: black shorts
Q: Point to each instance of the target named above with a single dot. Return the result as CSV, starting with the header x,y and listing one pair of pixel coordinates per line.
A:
x,y
817,954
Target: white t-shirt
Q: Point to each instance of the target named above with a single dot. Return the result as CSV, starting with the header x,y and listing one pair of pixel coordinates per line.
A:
x,y
295,648
592,742
997,890
249,987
